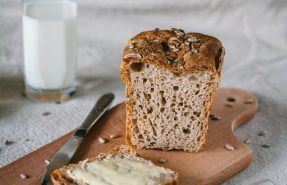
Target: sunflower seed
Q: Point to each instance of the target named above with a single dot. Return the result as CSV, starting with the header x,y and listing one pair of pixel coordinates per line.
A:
x,y
228,104
249,101
156,41
174,45
247,141
175,63
162,160
177,29
133,55
265,146
146,51
131,45
229,147
179,32
174,42
23,176
171,55
193,49
47,162
169,58
231,99
261,133
112,136
173,48
46,113
84,164
192,39
214,117
102,140
181,63
8,142
187,43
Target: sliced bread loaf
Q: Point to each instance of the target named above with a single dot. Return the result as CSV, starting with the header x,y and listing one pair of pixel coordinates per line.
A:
x,y
171,78
120,166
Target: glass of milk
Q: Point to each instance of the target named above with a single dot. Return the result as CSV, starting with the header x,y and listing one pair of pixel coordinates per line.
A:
x,y
49,39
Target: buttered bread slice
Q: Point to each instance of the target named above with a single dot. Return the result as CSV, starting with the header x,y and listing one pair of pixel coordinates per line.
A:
x,y
120,166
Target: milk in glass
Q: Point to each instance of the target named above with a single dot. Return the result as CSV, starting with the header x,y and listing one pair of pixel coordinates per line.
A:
x,y
49,38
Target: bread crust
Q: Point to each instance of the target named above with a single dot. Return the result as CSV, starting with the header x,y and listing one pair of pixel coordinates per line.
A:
x,y
60,177
201,52
178,52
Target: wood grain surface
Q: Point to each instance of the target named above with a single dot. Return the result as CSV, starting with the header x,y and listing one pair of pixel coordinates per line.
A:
x,y
212,165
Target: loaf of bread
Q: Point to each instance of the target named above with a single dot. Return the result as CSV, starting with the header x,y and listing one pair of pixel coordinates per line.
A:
x,y
171,78
121,166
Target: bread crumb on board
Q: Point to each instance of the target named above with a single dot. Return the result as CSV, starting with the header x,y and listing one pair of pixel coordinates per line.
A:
x,y
23,176
162,161
102,140
113,136
229,147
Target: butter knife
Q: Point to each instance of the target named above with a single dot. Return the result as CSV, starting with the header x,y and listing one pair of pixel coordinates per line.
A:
x,y
66,153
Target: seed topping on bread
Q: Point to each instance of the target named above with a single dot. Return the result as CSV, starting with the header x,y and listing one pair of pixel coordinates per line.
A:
x,y
176,49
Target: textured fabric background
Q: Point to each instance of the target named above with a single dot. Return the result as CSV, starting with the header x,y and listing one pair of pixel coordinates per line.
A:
x,y
254,34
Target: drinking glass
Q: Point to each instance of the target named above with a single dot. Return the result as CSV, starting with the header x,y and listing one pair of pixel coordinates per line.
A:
x,y
49,42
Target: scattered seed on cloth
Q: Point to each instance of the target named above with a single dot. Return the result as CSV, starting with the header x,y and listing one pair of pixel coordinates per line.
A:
x,y
261,133
265,146
46,113
8,142
247,141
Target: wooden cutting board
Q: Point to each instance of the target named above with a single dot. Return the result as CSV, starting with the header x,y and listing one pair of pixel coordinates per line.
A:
x,y
212,165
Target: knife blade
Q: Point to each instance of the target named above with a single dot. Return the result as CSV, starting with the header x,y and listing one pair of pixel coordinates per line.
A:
x,y
65,154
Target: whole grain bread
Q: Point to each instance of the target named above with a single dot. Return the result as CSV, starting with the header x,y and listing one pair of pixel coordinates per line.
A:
x,y
171,78
130,174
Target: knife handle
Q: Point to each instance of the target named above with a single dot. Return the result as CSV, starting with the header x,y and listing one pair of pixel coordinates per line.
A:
x,y
99,108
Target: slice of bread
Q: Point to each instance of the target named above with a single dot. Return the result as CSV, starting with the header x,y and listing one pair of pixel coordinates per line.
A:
x,y
121,166
171,78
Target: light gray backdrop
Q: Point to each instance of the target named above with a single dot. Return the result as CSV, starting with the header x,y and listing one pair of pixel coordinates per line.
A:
x,y
254,34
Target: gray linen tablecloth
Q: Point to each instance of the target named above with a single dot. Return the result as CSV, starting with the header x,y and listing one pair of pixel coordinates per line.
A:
x,y
254,34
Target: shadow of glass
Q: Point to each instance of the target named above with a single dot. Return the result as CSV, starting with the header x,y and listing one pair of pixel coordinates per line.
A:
x,y
11,88
11,95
